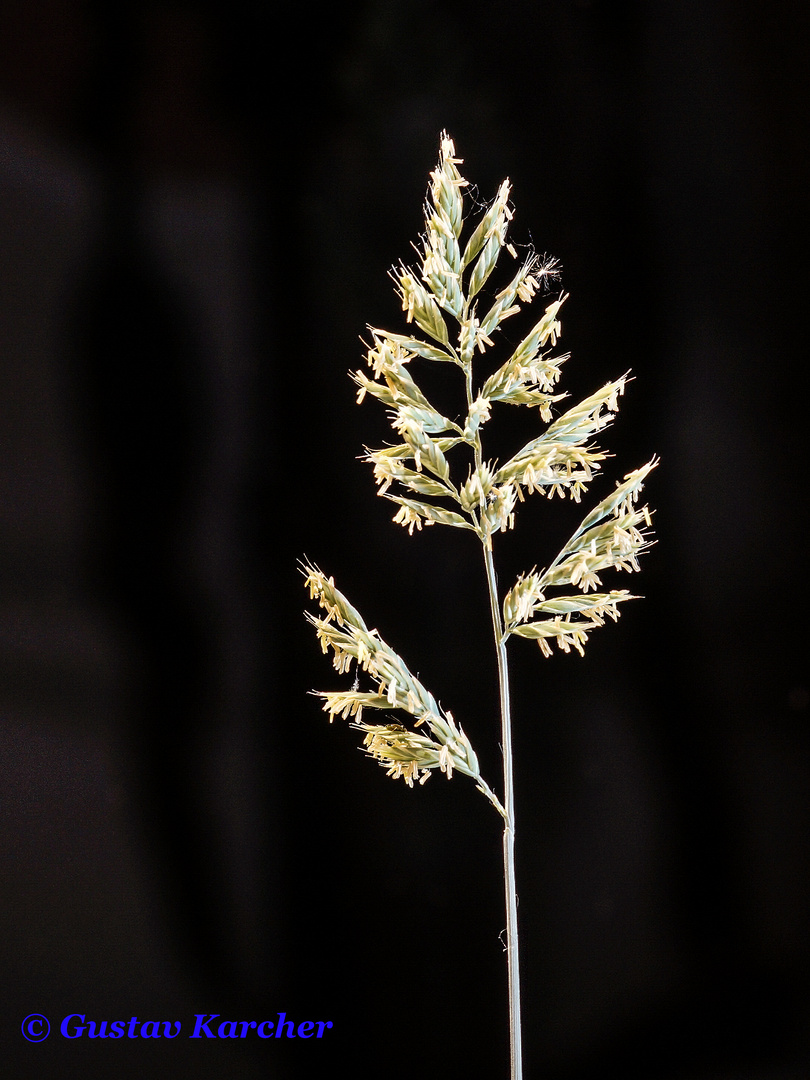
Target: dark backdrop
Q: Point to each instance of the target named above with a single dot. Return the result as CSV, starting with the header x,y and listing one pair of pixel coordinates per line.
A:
x,y
199,204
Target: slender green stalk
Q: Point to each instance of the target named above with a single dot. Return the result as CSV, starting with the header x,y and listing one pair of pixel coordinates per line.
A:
x,y
510,887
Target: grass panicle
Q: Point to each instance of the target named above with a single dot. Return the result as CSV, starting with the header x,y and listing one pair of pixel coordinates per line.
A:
x,y
437,473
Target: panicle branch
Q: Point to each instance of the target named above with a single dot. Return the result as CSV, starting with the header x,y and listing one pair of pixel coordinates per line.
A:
x,y
443,745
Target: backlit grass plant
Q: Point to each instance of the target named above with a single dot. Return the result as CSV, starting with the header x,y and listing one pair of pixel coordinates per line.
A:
x,y
437,473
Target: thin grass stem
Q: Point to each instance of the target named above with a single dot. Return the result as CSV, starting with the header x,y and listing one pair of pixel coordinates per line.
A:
x,y
510,888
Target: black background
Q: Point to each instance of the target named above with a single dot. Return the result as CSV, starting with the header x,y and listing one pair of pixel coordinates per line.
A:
x,y
199,206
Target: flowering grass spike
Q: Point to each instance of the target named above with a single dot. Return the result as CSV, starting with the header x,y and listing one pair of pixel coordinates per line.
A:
x,y
437,473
